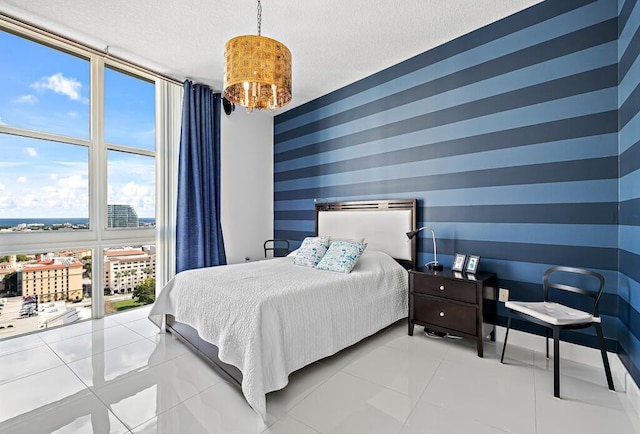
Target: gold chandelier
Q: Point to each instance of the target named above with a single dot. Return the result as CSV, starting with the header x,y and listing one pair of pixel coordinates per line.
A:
x,y
257,71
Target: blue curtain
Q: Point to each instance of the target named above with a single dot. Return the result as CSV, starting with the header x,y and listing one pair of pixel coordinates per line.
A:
x,y
199,241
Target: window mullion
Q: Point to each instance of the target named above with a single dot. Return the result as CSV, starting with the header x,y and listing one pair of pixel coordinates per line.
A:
x,y
98,181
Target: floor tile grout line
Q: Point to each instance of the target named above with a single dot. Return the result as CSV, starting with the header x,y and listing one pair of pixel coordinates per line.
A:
x,y
297,420
19,337
415,406
151,418
311,391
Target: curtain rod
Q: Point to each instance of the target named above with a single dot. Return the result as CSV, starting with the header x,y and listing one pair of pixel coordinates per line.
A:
x,y
64,39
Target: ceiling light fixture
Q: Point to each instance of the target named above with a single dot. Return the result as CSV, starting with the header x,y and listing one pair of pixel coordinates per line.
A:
x,y
257,71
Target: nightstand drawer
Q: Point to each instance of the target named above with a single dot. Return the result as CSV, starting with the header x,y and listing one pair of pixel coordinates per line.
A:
x,y
446,288
444,314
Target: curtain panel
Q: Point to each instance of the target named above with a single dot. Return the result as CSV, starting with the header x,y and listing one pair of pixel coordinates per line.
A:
x,y
199,241
169,97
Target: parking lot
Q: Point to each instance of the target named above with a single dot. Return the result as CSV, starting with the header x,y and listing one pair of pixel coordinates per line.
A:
x,y
10,321
14,320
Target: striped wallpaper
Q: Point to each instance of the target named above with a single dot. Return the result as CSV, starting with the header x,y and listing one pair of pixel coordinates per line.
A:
x,y
509,139
629,184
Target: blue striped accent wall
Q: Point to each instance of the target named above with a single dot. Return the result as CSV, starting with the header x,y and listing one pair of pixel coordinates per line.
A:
x,y
507,136
629,185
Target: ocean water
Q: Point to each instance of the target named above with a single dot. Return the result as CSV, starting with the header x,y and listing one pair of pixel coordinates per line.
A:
x,y
56,221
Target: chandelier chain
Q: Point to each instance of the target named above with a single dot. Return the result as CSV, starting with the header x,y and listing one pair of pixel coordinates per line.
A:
x,y
259,18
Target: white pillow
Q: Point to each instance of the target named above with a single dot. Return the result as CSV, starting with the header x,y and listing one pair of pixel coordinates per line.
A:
x,y
348,240
341,257
311,251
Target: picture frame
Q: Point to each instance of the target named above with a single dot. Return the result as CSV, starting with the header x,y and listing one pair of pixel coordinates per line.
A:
x,y
458,262
472,264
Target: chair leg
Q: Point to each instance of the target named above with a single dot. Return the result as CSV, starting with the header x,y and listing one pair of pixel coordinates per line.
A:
x,y
546,334
605,358
506,336
556,362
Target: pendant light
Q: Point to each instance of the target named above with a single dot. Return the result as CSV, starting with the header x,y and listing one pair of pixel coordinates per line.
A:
x,y
257,71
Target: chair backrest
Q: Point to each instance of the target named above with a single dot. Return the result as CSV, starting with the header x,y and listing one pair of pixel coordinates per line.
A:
x,y
278,247
550,274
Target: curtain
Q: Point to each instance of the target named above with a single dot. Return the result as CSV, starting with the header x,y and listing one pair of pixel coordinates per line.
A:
x,y
169,98
199,241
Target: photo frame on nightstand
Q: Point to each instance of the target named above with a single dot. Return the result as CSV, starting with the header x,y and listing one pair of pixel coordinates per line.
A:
x,y
472,264
458,262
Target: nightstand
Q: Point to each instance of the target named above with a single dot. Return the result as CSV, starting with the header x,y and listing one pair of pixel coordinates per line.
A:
x,y
453,302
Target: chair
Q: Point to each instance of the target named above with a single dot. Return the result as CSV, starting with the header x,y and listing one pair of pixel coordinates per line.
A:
x,y
556,317
278,247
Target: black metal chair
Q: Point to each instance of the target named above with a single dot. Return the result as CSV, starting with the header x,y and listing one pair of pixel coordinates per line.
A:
x,y
555,317
278,248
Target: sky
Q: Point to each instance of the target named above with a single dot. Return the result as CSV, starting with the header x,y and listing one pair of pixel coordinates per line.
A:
x,y
47,90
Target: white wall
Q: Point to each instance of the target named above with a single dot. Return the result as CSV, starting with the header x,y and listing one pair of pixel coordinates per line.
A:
x,y
246,183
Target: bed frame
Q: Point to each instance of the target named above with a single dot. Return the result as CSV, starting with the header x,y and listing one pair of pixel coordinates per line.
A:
x,y
383,223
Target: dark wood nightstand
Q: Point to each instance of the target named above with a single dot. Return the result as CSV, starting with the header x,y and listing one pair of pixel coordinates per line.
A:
x,y
452,302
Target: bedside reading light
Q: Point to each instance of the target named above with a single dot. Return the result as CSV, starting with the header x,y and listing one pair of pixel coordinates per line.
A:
x,y
433,265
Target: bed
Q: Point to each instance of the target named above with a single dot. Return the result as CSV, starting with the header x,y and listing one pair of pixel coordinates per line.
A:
x,y
258,322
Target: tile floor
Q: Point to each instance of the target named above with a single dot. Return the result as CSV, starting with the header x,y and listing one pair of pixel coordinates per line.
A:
x,y
118,375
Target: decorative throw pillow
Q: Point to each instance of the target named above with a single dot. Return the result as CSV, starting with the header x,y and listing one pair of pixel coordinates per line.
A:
x,y
311,251
342,256
349,240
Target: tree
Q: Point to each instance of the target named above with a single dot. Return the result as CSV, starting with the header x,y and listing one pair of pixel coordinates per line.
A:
x,y
145,291
11,282
22,258
4,258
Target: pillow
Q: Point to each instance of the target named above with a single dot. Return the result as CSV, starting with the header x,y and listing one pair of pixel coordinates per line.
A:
x,y
342,256
349,240
311,251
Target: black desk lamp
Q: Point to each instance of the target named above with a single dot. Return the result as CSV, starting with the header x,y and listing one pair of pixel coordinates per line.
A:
x,y
433,265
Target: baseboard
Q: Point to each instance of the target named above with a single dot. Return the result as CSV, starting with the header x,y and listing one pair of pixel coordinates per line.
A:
x,y
577,353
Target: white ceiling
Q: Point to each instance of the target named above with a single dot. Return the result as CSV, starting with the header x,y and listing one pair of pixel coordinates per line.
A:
x,y
333,42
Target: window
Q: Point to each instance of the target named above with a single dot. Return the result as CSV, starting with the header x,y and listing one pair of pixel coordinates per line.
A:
x,y
77,174
130,137
43,88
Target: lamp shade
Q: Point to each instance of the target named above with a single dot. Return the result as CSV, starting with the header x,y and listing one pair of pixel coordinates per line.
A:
x,y
257,72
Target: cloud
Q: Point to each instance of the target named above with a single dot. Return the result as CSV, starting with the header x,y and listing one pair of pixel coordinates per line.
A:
x,y
140,196
26,99
31,152
72,115
47,190
2,187
1,122
60,84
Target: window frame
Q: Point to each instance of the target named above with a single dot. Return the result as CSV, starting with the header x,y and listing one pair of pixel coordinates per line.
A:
x,y
98,237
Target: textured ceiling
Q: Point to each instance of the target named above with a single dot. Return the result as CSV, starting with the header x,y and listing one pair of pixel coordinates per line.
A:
x,y
333,42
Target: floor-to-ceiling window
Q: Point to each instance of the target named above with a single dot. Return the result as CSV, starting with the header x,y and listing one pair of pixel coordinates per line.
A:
x,y
77,183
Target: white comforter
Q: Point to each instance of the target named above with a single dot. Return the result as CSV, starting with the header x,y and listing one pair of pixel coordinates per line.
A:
x,y
270,318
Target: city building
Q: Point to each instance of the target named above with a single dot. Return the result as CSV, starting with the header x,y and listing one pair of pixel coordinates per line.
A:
x,y
50,280
127,267
121,216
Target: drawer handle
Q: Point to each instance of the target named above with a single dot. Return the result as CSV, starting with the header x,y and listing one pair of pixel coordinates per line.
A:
x,y
441,313
441,287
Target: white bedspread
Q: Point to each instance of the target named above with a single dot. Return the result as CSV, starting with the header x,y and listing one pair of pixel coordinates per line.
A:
x,y
270,318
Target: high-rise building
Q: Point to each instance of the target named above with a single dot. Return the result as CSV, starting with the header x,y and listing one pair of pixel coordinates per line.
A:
x,y
121,216
125,268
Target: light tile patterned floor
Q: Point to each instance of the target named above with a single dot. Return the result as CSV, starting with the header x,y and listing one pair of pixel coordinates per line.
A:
x,y
118,375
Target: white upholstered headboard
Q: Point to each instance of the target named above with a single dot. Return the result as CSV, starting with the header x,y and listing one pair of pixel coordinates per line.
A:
x,y
383,224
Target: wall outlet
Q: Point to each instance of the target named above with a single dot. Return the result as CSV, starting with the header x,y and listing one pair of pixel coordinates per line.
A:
x,y
503,295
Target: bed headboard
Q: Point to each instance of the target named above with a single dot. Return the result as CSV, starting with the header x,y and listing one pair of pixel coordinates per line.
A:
x,y
383,224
